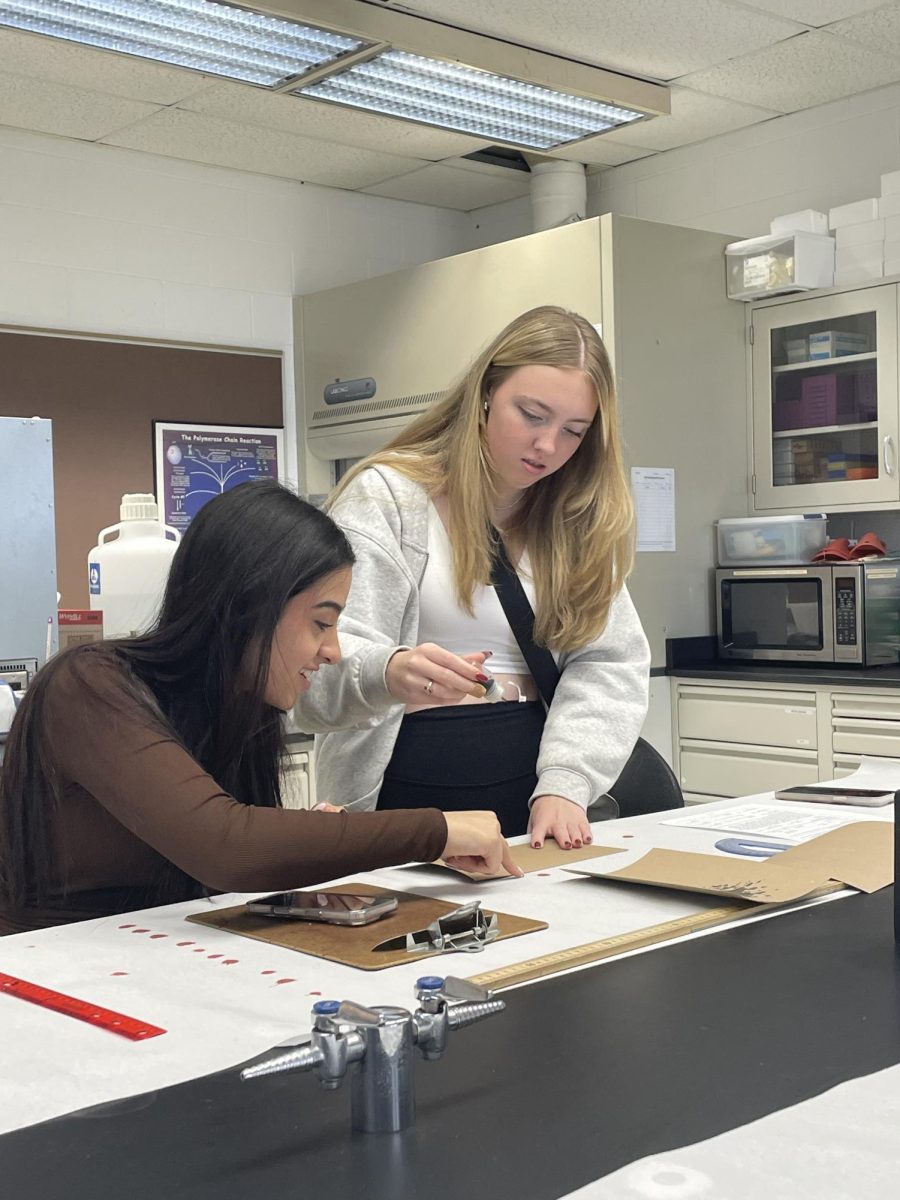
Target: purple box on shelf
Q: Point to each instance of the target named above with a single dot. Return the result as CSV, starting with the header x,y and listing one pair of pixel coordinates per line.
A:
x,y
818,400
866,396
787,413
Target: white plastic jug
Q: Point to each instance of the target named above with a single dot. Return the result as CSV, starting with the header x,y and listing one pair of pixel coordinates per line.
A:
x,y
127,573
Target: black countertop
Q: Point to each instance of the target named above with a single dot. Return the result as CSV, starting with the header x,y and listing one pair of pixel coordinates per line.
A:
x,y
582,1074
695,658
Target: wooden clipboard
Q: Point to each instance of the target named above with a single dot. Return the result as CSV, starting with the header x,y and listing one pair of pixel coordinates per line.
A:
x,y
354,946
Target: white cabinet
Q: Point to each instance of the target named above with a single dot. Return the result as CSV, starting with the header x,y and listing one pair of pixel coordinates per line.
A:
x,y
736,741
298,787
825,407
733,740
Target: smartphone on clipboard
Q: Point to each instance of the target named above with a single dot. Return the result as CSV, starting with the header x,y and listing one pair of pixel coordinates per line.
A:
x,y
835,794
334,908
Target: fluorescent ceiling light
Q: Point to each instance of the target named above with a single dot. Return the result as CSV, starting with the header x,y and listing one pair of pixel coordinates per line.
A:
x,y
362,56
462,98
201,34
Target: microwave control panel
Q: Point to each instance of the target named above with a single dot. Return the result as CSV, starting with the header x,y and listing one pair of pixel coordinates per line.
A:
x,y
845,611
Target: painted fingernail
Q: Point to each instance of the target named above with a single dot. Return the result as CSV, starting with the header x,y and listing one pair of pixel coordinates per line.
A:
x,y
478,691
535,845
567,845
482,678
488,653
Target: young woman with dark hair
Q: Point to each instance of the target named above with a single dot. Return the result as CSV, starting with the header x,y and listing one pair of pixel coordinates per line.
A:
x,y
146,770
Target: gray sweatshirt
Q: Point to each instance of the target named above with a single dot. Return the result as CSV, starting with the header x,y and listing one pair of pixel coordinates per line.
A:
x,y
592,724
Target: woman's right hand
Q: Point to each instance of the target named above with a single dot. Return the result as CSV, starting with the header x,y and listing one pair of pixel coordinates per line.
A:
x,y
429,674
475,843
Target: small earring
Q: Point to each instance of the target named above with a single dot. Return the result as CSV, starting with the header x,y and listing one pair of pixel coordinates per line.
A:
x,y
486,406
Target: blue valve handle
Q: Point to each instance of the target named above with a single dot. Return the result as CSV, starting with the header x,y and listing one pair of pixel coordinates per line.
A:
x,y
326,1008
430,983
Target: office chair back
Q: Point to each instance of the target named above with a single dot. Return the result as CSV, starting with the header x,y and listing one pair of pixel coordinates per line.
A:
x,y
647,784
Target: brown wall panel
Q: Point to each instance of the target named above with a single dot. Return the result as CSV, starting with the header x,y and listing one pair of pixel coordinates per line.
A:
x,y
102,398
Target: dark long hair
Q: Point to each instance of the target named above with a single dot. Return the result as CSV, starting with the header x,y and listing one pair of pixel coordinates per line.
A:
x,y
200,672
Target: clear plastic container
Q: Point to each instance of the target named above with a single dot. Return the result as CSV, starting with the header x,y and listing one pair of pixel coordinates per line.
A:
x,y
767,266
751,541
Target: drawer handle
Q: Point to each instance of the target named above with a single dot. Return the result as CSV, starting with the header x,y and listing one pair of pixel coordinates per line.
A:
x,y
888,444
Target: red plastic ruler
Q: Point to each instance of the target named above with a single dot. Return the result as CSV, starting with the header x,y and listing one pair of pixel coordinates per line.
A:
x,y
82,1010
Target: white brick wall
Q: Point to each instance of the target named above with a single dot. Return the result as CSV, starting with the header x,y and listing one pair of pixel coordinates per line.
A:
x,y
101,240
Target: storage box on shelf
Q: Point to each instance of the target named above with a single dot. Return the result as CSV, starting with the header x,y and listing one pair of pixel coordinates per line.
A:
x,y
753,541
777,263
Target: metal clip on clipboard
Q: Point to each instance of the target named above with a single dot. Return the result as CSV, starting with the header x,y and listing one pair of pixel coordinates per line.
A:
x,y
467,928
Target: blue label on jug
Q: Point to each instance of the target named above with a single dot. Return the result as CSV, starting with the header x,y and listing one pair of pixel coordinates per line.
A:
x,y
94,578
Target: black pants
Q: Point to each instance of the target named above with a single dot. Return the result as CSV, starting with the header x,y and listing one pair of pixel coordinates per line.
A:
x,y
468,756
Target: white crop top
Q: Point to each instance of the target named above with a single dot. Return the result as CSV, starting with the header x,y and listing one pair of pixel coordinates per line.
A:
x,y
441,619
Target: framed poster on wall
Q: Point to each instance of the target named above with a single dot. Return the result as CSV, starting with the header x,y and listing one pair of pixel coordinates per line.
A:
x,y
192,463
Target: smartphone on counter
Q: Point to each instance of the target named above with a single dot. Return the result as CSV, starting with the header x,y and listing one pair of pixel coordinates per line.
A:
x,y
835,794
335,908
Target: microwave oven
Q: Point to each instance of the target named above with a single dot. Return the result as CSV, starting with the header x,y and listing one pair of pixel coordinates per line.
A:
x,y
847,612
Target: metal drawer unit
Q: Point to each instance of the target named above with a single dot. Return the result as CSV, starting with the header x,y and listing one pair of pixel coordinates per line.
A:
x,y
757,716
864,723
727,769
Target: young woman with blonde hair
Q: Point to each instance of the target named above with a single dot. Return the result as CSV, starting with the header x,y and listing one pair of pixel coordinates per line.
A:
x,y
525,449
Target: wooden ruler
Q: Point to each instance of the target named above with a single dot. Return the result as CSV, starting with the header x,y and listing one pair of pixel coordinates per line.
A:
x,y
636,939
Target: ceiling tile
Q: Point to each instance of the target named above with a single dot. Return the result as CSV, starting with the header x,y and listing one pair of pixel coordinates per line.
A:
x,y
878,30
328,122
694,117
812,68
815,12
600,151
98,70
456,186
65,111
268,152
656,38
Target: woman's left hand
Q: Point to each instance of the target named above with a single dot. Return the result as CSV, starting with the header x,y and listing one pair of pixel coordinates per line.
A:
x,y
563,820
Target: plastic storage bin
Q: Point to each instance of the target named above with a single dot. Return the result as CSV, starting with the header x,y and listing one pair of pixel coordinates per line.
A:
x,y
766,266
750,541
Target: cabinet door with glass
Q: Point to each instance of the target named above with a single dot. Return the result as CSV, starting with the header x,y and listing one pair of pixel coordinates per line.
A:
x,y
825,402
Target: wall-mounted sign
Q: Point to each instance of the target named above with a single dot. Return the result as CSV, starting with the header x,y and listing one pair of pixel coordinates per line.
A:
x,y
194,463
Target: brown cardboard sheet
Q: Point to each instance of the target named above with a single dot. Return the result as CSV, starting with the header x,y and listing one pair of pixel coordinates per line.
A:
x,y
859,855
550,855
354,946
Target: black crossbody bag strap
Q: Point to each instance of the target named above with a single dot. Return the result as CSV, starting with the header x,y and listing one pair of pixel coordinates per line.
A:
x,y
520,615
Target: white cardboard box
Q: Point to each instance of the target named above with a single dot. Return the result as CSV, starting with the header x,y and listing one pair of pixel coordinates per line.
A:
x,y
889,206
870,255
858,235
848,275
892,257
805,219
853,213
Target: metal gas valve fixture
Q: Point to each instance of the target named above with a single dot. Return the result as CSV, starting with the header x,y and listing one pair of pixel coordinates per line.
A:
x,y
380,1042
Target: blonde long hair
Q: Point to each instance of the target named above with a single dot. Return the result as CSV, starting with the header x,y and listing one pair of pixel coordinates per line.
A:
x,y
577,525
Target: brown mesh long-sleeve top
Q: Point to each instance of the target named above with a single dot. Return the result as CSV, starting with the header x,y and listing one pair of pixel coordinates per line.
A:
x,y
133,798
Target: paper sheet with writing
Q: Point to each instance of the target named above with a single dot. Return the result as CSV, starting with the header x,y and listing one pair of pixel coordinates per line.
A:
x,y
789,824
800,822
653,491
